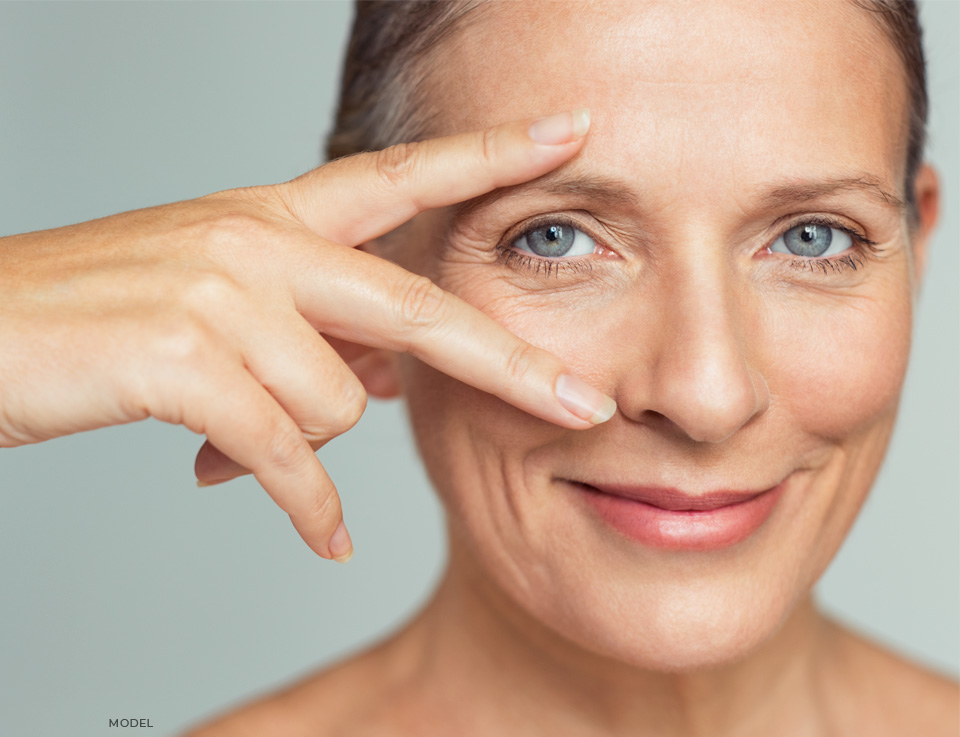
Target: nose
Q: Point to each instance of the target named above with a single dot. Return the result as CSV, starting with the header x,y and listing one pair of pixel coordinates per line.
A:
x,y
695,377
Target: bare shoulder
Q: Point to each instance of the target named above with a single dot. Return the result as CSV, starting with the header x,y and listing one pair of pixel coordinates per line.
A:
x,y
289,711
897,695
336,701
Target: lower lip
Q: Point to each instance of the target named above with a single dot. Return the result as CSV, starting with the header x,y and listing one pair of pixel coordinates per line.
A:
x,y
667,529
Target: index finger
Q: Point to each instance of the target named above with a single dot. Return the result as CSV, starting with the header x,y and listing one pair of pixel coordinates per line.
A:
x,y
358,198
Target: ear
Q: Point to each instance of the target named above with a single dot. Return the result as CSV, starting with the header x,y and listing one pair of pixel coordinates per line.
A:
x,y
378,373
927,197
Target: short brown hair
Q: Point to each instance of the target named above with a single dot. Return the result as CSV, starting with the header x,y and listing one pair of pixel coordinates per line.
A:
x,y
387,62
381,92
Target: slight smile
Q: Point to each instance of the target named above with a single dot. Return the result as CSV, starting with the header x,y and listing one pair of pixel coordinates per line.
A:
x,y
672,519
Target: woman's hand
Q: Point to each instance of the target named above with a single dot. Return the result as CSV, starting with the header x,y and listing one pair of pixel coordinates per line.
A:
x,y
208,313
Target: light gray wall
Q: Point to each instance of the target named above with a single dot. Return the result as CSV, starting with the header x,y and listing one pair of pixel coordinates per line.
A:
x,y
127,591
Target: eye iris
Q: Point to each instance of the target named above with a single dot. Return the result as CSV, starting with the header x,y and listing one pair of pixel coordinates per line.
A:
x,y
808,240
550,240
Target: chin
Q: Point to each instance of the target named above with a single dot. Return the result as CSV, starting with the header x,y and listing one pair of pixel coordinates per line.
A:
x,y
679,636
681,626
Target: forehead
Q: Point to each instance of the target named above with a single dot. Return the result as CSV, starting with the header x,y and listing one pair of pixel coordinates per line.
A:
x,y
689,86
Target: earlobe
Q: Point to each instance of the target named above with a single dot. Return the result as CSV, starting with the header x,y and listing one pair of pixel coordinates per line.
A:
x,y
927,197
378,374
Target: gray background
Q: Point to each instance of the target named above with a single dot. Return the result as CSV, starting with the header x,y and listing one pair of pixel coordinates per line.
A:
x,y
127,591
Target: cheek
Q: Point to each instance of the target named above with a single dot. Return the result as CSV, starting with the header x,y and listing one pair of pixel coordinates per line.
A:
x,y
835,367
579,323
839,364
473,442
470,441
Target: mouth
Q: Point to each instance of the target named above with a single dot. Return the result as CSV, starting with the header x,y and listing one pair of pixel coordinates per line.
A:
x,y
672,519
676,500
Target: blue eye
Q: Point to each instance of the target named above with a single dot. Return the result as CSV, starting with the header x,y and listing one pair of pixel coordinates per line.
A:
x,y
812,240
553,240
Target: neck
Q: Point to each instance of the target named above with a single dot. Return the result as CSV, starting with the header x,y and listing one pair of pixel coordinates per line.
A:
x,y
500,671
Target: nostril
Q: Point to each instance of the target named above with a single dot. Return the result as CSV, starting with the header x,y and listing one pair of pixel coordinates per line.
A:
x,y
655,419
662,424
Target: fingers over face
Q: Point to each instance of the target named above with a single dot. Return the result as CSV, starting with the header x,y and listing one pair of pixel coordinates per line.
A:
x,y
358,198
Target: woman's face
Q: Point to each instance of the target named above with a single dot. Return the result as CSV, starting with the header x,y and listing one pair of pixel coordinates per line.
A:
x,y
719,131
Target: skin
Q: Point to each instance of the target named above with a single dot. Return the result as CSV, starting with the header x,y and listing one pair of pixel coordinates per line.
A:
x,y
240,315
733,367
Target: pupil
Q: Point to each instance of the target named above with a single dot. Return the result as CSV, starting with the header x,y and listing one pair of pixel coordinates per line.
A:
x,y
551,240
809,240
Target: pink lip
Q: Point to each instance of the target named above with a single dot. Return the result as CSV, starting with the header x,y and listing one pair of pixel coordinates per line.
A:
x,y
672,520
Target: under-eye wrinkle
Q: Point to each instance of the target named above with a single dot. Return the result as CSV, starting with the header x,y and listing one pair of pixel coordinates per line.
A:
x,y
855,257
546,266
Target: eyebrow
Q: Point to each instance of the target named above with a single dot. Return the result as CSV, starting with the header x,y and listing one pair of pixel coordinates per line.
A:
x,y
619,194
804,190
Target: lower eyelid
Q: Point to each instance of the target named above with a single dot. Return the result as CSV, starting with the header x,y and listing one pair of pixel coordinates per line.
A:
x,y
521,260
834,264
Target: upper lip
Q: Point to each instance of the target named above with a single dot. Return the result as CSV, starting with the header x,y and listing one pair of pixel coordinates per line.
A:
x,y
675,499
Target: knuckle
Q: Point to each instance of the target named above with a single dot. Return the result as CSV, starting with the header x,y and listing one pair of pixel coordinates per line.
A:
x,y
226,231
240,225
519,361
488,147
338,416
422,304
352,405
394,164
183,341
323,505
285,451
206,291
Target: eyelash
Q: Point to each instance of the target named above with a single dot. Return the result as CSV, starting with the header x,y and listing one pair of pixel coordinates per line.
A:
x,y
863,247
520,260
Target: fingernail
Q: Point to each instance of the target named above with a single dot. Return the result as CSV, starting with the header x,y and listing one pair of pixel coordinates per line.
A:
x,y
583,400
341,547
561,128
202,484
